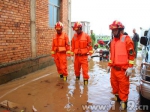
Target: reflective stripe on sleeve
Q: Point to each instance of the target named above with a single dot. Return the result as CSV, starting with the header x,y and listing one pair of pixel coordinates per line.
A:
x,y
91,52
131,62
52,52
72,53
110,61
68,52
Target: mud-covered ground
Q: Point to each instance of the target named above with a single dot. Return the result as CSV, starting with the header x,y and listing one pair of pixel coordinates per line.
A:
x,y
45,91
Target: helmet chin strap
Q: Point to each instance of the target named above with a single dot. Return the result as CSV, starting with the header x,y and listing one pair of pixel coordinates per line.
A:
x,y
118,34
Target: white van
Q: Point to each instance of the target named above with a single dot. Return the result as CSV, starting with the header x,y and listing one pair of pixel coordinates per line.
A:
x,y
145,70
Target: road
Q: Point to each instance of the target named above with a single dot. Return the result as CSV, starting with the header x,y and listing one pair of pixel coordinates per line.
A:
x,y
45,91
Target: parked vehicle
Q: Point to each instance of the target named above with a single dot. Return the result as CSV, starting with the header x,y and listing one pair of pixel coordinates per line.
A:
x,y
145,70
104,55
102,49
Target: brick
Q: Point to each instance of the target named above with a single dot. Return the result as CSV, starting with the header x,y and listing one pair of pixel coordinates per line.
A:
x,y
15,28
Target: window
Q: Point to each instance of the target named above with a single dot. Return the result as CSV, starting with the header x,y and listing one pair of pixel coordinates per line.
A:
x,y
54,7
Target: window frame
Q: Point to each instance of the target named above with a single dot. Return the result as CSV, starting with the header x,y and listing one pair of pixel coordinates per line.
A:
x,y
58,13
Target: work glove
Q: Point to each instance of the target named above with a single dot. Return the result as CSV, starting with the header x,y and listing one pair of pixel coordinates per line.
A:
x,y
128,72
72,59
89,58
108,69
68,57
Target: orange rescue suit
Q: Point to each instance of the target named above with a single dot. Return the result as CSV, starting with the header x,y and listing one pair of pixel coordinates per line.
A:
x,y
59,43
121,57
60,50
81,48
119,54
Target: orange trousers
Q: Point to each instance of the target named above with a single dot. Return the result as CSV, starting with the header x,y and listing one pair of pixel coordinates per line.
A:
x,y
81,61
61,63
120,83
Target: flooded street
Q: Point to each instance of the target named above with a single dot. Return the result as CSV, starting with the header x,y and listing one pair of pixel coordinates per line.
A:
x,y
46,92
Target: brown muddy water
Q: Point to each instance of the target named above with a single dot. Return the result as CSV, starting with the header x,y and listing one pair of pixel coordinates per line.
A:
x,y
45,91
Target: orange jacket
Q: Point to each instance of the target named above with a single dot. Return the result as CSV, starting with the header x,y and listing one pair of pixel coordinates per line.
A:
x,y
81,44
120,52
60,43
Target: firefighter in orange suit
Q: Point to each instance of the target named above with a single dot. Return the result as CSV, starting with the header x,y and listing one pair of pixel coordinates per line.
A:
x,y
60,50
121,61
81,51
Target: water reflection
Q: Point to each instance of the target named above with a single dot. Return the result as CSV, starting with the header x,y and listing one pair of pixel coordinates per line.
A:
x,y
99,89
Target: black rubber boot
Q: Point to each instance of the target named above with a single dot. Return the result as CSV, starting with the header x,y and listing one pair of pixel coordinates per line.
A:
x,y
77,78
61,76
123,105
85,82
65,78
117,98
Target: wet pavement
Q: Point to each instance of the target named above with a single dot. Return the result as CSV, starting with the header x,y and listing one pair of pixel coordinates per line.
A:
x,y
45,91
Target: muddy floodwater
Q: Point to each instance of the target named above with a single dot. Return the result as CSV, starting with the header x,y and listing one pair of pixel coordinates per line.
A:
x,y
46,92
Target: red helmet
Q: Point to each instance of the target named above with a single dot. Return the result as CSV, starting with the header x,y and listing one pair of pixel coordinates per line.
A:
x,y
116,24
58,25
77,25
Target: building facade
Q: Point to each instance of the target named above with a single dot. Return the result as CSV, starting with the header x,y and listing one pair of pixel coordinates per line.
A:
x,y
26,31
